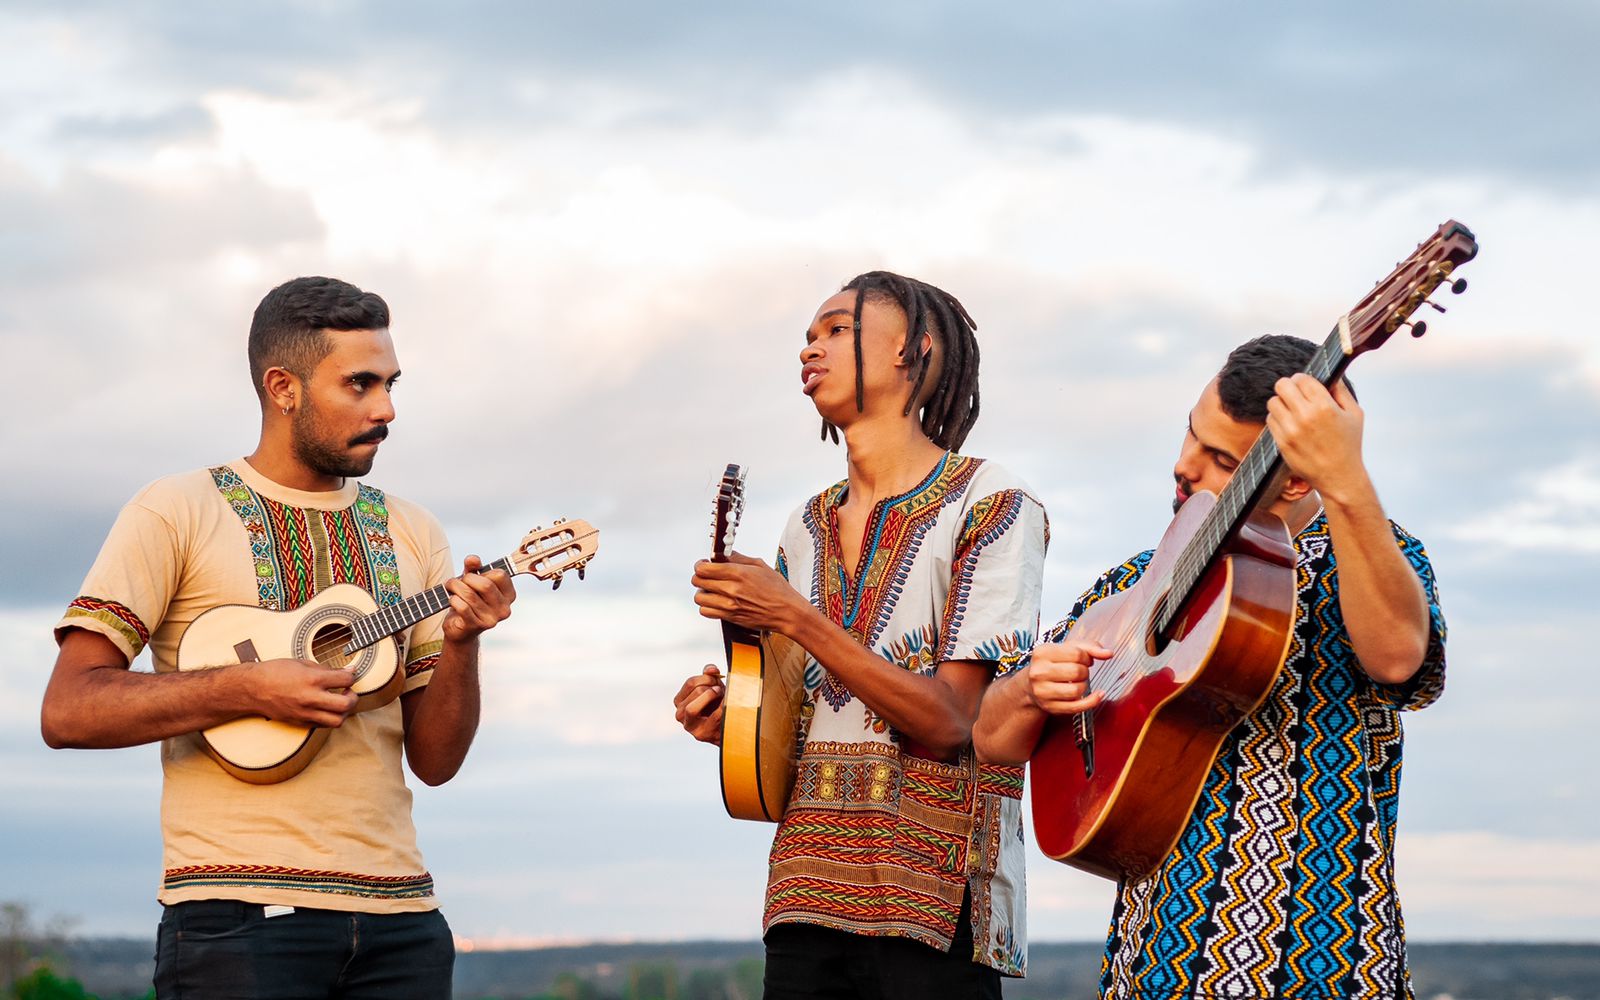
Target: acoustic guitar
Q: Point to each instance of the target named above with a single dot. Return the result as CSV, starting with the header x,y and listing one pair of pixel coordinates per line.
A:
x,y
765,687
1200,639
341,627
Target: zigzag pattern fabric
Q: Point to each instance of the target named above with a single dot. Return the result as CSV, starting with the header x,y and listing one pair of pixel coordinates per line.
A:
x,y
876,840
1282,883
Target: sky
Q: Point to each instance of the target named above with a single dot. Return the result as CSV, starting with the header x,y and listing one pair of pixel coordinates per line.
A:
x,y
602,229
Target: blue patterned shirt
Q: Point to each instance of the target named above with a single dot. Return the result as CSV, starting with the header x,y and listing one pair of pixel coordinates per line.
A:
x,y
1282,883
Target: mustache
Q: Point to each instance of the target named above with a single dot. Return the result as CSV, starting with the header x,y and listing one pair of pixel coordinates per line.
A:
x,y
371,437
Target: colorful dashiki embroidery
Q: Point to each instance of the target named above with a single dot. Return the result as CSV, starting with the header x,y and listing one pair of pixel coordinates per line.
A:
x,y
223,877
299,551
1282,884
874,840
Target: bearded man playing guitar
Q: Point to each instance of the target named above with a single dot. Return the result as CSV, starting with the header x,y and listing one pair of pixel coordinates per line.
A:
x,y
1281,883
896,870
313,886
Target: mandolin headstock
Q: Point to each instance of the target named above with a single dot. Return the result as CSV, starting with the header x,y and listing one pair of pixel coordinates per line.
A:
x,y
725,514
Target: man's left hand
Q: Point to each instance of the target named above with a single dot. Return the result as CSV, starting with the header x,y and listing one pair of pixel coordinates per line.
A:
x,y
478,601
745,591
1319,434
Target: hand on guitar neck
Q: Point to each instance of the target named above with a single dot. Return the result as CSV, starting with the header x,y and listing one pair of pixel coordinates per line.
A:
x,y
749,593
479,601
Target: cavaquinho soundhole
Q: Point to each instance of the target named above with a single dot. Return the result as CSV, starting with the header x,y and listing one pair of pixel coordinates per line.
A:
x,y
325,637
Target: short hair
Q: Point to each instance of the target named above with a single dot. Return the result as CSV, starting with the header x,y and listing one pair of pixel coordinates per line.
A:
x,y
951,407
1250,375
287,330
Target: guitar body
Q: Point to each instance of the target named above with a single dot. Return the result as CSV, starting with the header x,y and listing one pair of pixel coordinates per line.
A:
x,y
1154,742
760,722
264,751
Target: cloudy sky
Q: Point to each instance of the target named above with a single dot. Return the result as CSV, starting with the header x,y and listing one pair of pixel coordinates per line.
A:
x,y
602,229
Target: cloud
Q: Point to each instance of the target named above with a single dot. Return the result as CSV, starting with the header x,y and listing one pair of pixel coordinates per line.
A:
x,y
1548,888
1558,516
1434,89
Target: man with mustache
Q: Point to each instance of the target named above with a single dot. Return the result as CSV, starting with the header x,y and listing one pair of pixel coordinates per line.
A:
x,y
1282,881
896,870
313,886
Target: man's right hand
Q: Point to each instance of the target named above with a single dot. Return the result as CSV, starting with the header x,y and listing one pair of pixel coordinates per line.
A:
x,y
300,691
1058,676
699,705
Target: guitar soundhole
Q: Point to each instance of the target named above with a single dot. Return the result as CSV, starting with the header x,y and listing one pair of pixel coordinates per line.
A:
x,y
1156,642
328,644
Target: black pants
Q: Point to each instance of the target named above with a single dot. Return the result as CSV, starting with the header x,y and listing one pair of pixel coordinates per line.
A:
x,y
225,950
807,962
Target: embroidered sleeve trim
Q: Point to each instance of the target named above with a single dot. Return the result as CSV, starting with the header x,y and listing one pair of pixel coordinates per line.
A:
x,y
111,613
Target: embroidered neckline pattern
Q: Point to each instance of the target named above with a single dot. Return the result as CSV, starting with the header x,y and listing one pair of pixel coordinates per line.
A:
x,y
894,533
298,551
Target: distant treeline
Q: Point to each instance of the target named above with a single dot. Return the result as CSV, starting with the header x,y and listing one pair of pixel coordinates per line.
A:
x,y
116,969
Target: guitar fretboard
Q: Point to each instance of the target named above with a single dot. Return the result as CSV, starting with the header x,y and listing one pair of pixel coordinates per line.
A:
x,y
1258,468
398,617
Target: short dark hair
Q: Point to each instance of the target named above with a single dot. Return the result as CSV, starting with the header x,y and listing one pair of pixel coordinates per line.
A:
x,y
1249,377
951,407
286,331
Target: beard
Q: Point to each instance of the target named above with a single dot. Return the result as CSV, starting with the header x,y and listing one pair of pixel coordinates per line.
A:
x,y
323,453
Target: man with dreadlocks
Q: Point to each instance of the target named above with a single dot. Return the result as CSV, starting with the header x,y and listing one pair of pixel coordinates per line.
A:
x,y
896,870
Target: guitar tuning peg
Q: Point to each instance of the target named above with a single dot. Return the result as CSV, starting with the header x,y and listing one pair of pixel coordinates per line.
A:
x,y
1418,328
1458,286
1435,305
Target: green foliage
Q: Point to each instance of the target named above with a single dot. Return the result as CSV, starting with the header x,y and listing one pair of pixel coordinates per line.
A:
x,y
652,981
42,984
568,986
706,984
749,976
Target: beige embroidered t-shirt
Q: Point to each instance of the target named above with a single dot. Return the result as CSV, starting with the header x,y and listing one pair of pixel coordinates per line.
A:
x,y
339,834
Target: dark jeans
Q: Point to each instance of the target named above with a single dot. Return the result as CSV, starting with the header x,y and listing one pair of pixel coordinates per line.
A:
x,y
807,962
224,950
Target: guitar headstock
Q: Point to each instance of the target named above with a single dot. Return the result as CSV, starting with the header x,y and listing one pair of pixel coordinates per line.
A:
x,y
727,511
1392,301
548,553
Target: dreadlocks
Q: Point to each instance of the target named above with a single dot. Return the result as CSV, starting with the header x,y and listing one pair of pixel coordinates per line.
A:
x,y
952,408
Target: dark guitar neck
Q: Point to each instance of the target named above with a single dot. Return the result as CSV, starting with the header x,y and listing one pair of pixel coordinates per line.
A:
x,y
1244,492
398,617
